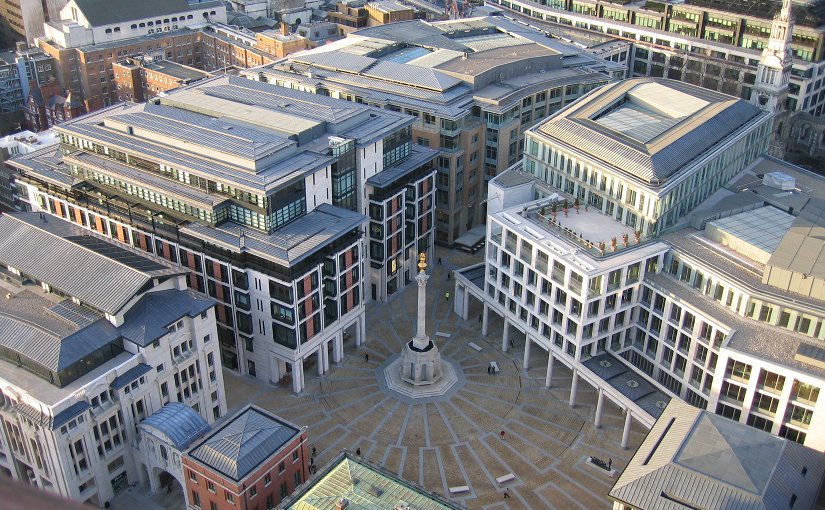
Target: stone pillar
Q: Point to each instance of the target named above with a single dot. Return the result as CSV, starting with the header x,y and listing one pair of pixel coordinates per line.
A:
x,y
338,347
548,379
326,356
465,307
505,337
485,319
527,342
421,340
297,376
320,355
573,384
360,330
626,432
599,408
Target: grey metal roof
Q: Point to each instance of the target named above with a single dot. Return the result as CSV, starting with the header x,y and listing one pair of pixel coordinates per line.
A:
x,y
412,75
201,130
49,349
695,459
177,424
289,244
243,442
107,12
663,151
95,271
130,375
147,320
420,156
52,422
336,61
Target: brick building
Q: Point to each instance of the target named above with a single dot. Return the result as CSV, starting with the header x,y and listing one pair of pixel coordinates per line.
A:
x,y
253,460
141,78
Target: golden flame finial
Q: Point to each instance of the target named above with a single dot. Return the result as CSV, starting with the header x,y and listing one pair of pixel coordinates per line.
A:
x,y
422,261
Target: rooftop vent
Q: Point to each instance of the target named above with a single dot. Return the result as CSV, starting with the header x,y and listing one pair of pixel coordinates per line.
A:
x,y
341,504
779,180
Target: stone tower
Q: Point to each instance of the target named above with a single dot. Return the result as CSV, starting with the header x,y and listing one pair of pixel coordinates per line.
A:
x,y
773,73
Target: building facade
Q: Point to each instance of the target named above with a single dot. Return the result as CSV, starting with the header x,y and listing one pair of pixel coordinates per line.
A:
x,y
650,293
264,194
141,78
474,86
13,145
85,358
716,45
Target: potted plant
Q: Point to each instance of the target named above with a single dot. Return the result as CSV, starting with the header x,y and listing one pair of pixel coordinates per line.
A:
x,y
624,239
543,211
565,206
613,244
601,247
638,235
554,209
576,204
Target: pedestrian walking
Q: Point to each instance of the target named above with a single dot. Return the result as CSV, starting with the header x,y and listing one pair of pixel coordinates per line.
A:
x,y
507,493
366,357
358,451
439,261
501,434
481,317
447,296
512,343
314,451
449,274
488,369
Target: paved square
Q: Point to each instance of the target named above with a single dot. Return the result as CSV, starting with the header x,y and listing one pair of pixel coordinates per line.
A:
x,y
456,441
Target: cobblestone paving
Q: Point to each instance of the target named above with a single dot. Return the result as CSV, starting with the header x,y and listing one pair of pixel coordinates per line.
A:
x,y
456,440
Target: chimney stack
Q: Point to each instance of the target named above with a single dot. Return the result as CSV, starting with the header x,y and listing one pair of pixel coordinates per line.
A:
x,y
284,28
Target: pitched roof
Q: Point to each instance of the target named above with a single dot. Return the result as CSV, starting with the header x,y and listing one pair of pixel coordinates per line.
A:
x,y
177,424
147,320
130,375
68,258
243,442
107,12
695,459
365,487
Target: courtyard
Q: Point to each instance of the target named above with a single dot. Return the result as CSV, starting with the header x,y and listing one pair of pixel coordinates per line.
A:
x,y
456,440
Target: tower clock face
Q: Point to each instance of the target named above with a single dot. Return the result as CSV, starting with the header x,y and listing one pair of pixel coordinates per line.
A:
x,y
763,99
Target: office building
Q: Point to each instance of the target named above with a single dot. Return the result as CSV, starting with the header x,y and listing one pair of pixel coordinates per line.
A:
x,y
715,44
685,268
264,193
23,20
251,460
92,35
13,145
696,459
96,338
48,105
474,86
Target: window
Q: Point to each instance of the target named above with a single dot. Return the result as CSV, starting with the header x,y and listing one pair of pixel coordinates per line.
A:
x,y
229,496
213,505
267,480
196,498
295,456
210,486
193,476
281,467
253,492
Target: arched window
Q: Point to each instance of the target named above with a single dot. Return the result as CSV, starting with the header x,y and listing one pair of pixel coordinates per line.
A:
x,y
163,453
117,29
108,30
143,25
134,26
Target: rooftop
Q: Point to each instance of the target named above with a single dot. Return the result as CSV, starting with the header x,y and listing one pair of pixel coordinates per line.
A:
x,y
364,487
291,243
182,72
649,128
243,442
695,459
81,265
175,423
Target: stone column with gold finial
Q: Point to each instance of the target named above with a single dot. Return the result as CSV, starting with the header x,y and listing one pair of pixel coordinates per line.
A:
x,y
421,340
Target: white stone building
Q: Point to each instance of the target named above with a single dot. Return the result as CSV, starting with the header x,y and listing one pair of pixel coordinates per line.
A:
x,y
695,276
94,338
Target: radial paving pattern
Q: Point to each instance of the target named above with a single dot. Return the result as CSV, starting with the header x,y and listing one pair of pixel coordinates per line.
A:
x,y
455,441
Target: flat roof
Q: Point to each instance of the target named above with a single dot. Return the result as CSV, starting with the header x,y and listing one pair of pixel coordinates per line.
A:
x,y
763,228
649,128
